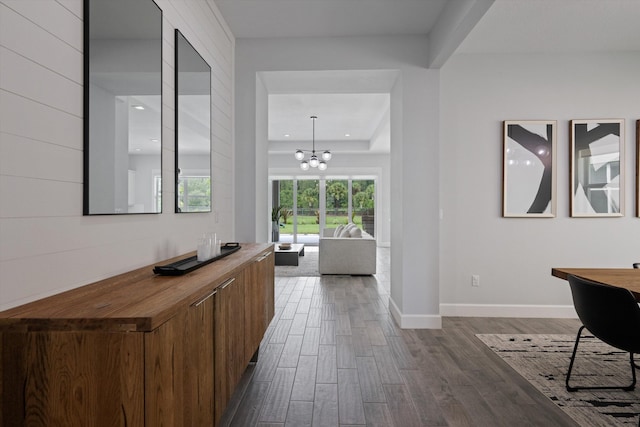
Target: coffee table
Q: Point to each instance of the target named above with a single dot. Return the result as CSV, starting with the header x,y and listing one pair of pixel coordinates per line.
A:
x,y
289,256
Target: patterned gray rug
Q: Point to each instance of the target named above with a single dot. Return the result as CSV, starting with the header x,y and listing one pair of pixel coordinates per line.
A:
x,y
543,360
308,265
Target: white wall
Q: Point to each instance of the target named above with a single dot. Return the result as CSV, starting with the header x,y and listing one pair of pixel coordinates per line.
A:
x,y
514,256
415,170
46,245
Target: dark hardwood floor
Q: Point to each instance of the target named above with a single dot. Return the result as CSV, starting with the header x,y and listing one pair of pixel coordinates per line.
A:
x,y
333,356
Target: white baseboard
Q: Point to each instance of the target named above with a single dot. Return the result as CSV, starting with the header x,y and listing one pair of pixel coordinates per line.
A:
x,y
430,321
503,310
414,321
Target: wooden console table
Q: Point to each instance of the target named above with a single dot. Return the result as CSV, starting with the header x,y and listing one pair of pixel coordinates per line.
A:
x,y
137,349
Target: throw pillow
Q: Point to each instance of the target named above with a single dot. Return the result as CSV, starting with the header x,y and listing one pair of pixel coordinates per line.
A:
x,y
355,232
345,232
338,230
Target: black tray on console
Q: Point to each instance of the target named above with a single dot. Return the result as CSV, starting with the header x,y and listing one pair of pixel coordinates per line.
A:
x,y
186,265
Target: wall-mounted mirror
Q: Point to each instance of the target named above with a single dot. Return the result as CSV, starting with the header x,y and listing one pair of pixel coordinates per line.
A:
x,y
122,107
193,128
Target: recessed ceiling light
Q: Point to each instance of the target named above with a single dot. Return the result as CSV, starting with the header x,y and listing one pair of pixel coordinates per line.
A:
x,y
286,135
138,107
137,149
154,140
347,135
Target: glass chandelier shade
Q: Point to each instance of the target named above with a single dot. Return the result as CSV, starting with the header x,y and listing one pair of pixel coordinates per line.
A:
x,y
313,161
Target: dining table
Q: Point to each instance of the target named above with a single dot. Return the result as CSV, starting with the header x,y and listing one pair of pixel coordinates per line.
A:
x,y
627,278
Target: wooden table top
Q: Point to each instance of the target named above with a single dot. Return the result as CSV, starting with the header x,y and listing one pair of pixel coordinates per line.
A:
x,y
627,278
138,300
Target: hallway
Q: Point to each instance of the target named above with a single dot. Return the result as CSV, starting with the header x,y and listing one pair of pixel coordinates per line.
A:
x,y
334,356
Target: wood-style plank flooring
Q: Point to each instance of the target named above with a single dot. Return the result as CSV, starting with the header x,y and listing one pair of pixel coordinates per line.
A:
x,y
333,356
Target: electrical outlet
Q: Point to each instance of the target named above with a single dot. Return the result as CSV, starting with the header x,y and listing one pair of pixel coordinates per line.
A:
x,y
475,280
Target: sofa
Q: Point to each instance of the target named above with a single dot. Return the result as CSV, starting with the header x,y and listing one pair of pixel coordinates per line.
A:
x,y
346,252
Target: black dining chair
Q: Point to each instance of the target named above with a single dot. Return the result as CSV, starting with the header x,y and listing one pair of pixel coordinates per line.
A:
x,y
612,315
636,265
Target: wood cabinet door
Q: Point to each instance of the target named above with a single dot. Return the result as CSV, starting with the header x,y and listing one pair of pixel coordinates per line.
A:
x,y
268,279
199,395
258,301
72,378
166,372
229,332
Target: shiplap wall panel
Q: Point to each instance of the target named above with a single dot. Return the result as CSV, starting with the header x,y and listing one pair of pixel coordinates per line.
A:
x,y
21,116
35,159
58,234
31,197
33,81
63,23
168,101
223,153
168,172
36,43
220,123
46,245
56,272
73,6
215,43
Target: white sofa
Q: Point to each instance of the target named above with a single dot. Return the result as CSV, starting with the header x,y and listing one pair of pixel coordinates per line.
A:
x,y
346,255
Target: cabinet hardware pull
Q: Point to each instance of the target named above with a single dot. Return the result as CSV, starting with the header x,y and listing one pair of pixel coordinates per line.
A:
x,y
263,257
227,283
205,298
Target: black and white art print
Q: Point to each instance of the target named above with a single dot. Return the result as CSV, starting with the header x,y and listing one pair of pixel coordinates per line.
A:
x,y
597,168
529,168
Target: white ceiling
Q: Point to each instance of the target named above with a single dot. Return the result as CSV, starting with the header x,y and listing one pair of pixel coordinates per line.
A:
x,y
365,111
345,102
509,26
327,18
556,26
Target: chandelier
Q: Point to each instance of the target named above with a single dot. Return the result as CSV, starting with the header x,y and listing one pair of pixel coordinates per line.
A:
x,y
313,161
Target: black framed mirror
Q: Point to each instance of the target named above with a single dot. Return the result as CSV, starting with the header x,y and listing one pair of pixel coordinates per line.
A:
x,y
193,128
122,107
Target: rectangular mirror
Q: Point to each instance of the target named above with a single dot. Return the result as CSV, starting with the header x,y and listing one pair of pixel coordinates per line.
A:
x,y
122,107
193,128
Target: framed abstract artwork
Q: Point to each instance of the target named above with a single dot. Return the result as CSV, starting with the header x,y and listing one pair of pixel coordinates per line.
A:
x,y
529,168
597,168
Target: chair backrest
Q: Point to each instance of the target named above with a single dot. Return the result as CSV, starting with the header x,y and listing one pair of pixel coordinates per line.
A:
x,y
611,314
636,265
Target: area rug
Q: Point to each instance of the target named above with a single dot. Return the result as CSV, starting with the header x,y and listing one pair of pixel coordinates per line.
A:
x,y
543,360
308,265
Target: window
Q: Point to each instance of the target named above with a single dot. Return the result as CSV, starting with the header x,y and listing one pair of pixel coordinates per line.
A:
x,y
307,204
363,203
194,194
